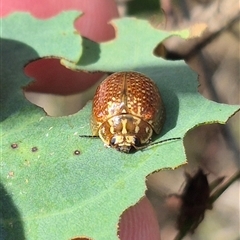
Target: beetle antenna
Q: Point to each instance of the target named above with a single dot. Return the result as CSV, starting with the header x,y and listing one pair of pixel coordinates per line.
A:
x,y
88,136
165,140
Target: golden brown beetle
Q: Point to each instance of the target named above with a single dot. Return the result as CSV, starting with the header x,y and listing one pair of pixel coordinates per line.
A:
x,y
127,109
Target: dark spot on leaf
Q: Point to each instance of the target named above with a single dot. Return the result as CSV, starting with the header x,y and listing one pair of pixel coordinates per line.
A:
x,y
77,152
34,149
14,145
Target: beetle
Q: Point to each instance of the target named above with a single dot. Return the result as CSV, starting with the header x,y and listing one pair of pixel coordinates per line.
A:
x,y
127,110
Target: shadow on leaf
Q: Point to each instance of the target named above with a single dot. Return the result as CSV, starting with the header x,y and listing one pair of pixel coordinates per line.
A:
x,y
11,226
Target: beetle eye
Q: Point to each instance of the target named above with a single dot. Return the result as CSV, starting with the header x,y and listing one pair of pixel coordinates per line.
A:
x,y
113,141
137,142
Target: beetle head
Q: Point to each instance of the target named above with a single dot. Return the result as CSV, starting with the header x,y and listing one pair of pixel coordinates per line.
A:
x,y
125,132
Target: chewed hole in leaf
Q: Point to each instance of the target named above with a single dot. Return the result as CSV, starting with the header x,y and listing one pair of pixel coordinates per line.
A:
x,y
142,219
81,238
58,90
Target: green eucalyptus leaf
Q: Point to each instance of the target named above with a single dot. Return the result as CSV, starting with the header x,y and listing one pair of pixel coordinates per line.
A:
x,y
131,49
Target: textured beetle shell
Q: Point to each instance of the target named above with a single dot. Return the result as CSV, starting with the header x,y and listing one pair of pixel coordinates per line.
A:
x,y
128,93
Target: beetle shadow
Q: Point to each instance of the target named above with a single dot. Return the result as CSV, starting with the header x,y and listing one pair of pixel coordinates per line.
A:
x,y
172,81
11,226
172,110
